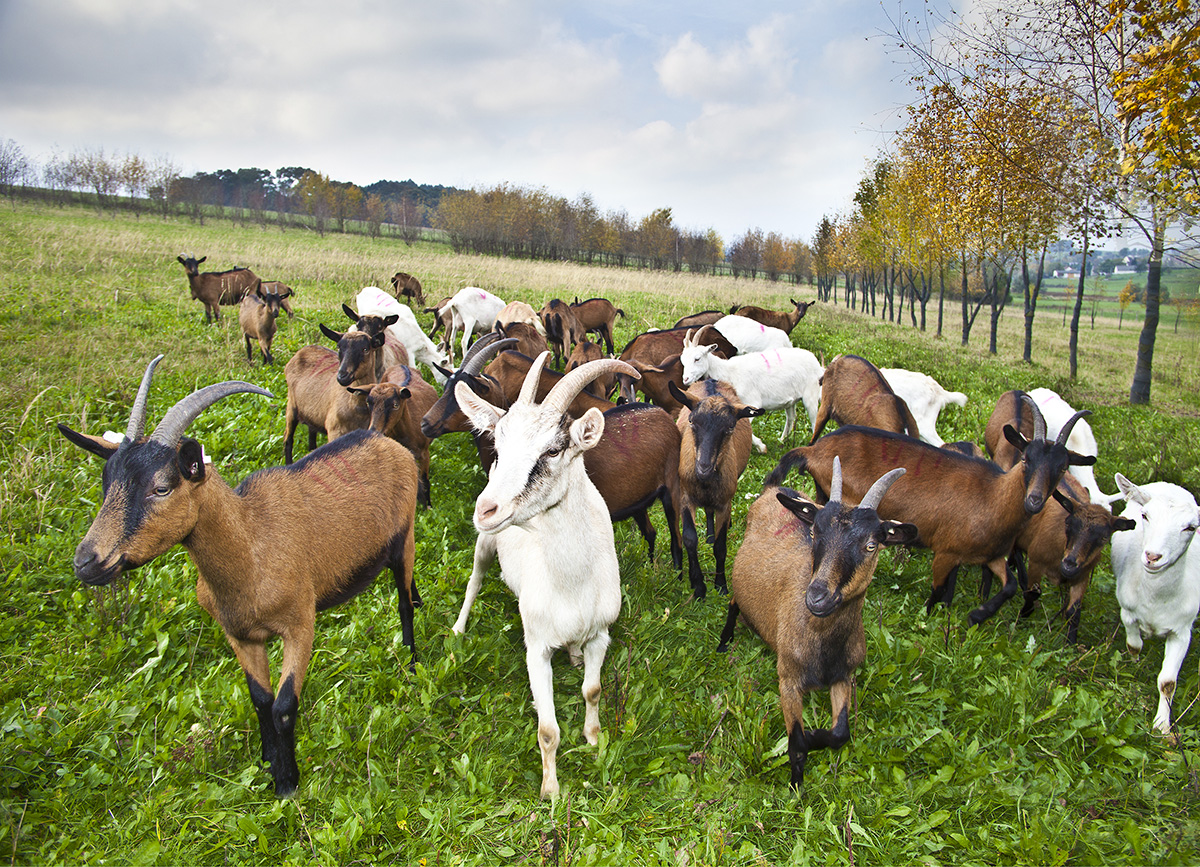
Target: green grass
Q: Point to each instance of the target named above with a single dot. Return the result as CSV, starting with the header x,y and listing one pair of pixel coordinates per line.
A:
x,y
127,736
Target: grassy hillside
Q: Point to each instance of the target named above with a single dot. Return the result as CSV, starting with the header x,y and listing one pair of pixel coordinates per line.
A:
x,y
128,736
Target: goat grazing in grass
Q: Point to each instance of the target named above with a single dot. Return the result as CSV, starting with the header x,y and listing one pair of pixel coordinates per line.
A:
x,y
598,316
853,391
214,288
799,580
408,286
371,300
563,329
336,519
1157,566
549,527
471,309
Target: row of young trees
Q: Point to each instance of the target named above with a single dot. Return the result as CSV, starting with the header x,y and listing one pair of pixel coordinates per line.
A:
x,y
1038,120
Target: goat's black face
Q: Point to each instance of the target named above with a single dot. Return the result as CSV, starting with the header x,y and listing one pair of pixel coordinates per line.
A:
x,y
711,428
1044,463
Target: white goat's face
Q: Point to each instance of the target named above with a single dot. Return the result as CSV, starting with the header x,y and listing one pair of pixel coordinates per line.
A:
x,y
695,363
1168,517
535,448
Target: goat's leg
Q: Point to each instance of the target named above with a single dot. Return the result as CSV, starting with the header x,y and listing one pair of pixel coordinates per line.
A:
x,y
291,419
668,504
593,660
541,683
731,617
691,543
297,651
945,573
821,420
253,659
1011,585
789,421
642,519
407,596
1173,653
1073,608
791,702
249,352
720,545
485,555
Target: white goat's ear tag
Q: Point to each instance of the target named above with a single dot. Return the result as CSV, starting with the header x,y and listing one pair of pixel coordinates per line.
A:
x,y
587,429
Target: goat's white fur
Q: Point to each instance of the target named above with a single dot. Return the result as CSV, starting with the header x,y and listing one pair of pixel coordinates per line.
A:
x,y
776,379
925,398
749,336
1082,441
472,309
1157,567
373,300
543,518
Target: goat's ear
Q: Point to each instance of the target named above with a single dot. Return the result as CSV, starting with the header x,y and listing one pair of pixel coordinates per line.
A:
x,y
404,394
1121,524
378,340
363,391
1014,436
897,533
750,411
1064,501
330,333
191,460
201,260
181,260
805,510
481,414
1132,492
391,320
96,445
680,395
351,315
587,429
1077,460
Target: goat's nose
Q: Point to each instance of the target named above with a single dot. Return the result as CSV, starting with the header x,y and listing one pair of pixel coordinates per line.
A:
x,y
85,556
485,509
1152,558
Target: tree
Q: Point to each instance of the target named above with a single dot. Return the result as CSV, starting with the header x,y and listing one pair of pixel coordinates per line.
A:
x,y
656,238
14,166
1124,299
135,178
93,170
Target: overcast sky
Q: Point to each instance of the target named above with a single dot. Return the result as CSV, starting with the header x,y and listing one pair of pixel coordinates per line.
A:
x,y
734,114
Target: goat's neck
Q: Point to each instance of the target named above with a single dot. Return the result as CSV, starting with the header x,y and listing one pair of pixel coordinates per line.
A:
x,y
223,540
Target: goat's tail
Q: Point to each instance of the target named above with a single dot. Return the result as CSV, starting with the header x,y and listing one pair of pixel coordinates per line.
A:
x,y
796,459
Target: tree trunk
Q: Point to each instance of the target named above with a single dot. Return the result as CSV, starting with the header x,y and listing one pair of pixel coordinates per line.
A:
x,y
1074,353
1139,391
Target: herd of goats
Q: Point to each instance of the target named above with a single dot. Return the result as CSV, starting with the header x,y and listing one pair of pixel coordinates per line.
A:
x,y
564,462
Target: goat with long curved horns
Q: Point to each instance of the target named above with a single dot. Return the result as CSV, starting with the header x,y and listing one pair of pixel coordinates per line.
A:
x,y
545,520
337,517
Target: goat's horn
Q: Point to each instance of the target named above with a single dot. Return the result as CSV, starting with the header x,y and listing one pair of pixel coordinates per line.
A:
x,y
1066,429
137,415
478,357
175,422
567,388
873,497
835,484
1039,421
530,385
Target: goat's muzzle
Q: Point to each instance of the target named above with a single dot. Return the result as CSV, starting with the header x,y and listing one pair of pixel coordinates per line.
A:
x,y
1034,503
820,601
1069,568
93,571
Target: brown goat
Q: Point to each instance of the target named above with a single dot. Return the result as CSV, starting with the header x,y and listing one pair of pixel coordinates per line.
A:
x,y
443,318
214,288
518,311
373,324
799,580
784,320
968,510
598,316
563,330
853,391
655,347
284,292
336,519
395,406
698,320
530,341
655,383
509,369
714,450
407,286
258,315
585,351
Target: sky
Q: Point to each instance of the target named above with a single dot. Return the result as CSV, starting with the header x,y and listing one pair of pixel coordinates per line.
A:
x,y
736,115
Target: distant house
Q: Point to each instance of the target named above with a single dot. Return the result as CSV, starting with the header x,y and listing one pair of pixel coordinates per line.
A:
x,y
1069,271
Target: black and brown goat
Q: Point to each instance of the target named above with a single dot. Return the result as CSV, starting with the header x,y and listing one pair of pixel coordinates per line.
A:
x,y
799,580
374,324
714,450
407,286
585,351
563,329
784,320
655,347
853,391
214,288
318,381
258,315
395,406
967,510
655,383
598,316
336,519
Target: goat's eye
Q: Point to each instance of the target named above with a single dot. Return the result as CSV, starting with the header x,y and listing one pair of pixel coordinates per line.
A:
x,y
161,490
553,453
871,546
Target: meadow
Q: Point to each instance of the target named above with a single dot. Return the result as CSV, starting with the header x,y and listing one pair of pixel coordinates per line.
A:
x,y
126,731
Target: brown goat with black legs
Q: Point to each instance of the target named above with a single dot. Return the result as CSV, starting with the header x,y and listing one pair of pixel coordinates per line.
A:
x,y
598,316
853,391
407,286
655,383
214,288
395,406
563,330
799,580
258,315
585,351
374,324
968,510
784,320
336,520
714,428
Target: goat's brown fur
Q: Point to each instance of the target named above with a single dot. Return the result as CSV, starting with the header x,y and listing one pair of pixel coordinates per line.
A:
x,y
853,391
784,320
585,351
698,320
407,286
395,406
563,329
598,316
214,288
258,315
530,341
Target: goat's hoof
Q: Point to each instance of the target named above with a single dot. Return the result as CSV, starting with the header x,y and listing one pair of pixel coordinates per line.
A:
x,y
976,617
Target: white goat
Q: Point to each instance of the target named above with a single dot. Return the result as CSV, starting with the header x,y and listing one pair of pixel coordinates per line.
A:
x,y
1082,441
776,379
925,398
1157,568
373,300
471,309
546,521
750,336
